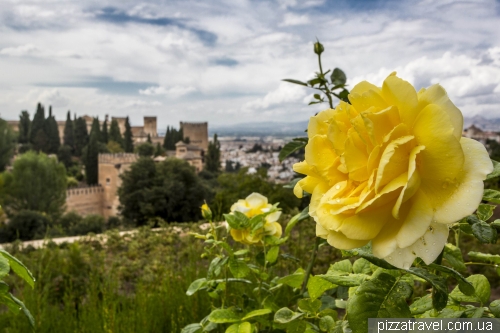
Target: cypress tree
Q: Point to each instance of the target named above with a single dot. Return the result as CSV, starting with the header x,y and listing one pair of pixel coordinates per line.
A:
x,y
149,138
104,132
69,132
37,124
128,143
81,135
212,158
91,160
114,133
96,128
24,127
165,139
52,131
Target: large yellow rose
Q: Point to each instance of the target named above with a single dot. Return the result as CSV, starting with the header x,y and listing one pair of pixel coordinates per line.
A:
x,y
256,204
393,169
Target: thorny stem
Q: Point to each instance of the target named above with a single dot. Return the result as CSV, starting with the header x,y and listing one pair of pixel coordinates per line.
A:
x,y
327,93
310,266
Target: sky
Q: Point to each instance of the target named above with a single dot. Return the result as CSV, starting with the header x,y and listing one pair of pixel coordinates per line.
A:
x,y
222,61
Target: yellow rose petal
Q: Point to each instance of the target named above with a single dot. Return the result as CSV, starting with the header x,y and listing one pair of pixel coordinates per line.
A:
x,y
400,93
417,220
338,240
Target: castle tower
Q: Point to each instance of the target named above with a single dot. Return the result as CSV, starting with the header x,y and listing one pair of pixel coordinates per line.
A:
x,y
150,126
197,133
111,166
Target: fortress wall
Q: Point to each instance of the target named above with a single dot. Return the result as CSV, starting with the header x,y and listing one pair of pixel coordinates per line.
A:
x,y
85,200
197,133
150,126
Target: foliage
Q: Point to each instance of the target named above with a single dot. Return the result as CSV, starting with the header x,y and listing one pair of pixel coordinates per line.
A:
x,y
64,156
69,132
212,158
114,147
81,135
37,128
91,160
24,127
52,131
114,133
96,128
145,149
37,182
7,144
25,225
104,132
89,224
8,263
169,190
172,136
159,150
128,143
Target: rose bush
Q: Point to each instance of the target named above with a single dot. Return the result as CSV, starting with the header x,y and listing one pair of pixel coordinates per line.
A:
x,y
252,206
392,168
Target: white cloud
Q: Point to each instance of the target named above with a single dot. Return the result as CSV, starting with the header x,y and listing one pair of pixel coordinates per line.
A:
x,y
19,51
175,91
286,93
294,19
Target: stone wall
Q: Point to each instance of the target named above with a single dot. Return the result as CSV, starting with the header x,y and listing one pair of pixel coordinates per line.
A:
x,y
85,200
197,133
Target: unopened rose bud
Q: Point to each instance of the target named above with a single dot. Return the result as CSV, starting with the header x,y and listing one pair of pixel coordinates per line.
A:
x,y
318,48
206,212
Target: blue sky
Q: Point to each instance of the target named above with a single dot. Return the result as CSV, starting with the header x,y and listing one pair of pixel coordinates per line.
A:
x,y
222,61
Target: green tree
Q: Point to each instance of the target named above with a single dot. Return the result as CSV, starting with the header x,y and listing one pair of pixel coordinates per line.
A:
x,y
69,132
114,147
37,182
96,128
52,131
145,149
149,138
7,144
172,136
81,135
25,225
159,151
24,127
114,133
91,160
104,132
128,143
212,158
170,190
64,156
37,123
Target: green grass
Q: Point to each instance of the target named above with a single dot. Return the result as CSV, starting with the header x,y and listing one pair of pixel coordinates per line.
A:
x,y
133,283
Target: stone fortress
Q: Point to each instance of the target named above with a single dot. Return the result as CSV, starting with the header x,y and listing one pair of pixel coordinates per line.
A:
x,y
103,198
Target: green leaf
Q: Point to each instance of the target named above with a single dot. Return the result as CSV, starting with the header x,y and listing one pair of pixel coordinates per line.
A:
x,y
495,308
316,81
293,280
221,316
343,95
483,257
15,305
289,148
453,256
491,196
421,305
272,254
238,268
244,327
382,297
317,96
484,232
19,268
351,280
326,324
496,170
241,252
439,288
484,211
237,220
4,267
215,266
361,266
316,286
192,328
299,326
304,214
196,285
472,219
285,315
342,326
309,305
495,224
256,313
465,286
338,77
295,81
482,290
344,266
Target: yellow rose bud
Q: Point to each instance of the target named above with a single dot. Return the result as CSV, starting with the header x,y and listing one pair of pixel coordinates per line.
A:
x,y
393,169
318,48
206,212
